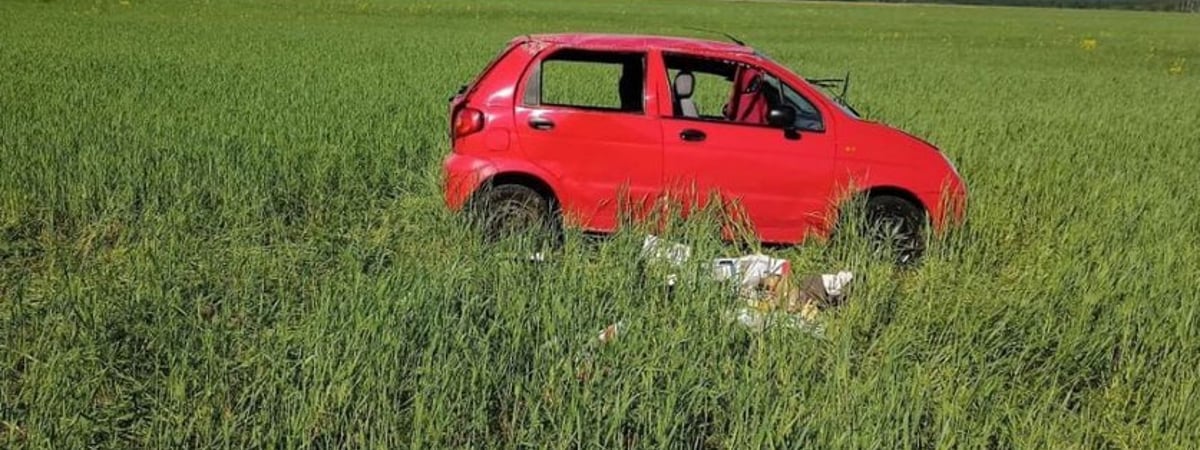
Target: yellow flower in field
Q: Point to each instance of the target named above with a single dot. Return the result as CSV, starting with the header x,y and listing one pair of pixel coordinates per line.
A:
x,y
1176,67
1088,44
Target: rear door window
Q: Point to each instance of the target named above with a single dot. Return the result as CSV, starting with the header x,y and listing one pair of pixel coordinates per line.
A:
x,y
589,79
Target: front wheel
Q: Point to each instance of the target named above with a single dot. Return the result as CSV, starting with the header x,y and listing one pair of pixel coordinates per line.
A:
x,y
895,225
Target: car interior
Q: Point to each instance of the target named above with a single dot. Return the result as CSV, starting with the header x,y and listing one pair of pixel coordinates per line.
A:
x,y
699,85
748,93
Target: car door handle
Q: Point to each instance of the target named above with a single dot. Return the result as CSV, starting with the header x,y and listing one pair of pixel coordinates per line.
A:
x,y
692,135
539,123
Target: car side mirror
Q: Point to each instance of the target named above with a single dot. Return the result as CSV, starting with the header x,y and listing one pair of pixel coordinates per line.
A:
x,y
784,116
781,116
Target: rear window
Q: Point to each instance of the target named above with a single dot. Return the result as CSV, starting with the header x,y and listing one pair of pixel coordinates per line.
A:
x,y
597,80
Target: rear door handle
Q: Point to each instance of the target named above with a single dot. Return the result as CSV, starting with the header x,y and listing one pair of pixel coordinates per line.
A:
x,y
692,135
539,123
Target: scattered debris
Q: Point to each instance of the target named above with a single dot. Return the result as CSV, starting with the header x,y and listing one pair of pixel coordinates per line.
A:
x,y
752,271
767,295
610,332
766,291
782,302
585,364
653,248
759,320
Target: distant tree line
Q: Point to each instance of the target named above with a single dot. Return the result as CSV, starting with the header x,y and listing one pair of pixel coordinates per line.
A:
x,y
1148,5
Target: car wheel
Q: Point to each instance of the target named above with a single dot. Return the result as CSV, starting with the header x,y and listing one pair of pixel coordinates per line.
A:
x,y
895,225
512,210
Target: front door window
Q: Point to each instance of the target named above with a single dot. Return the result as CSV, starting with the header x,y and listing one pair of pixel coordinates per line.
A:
x,y
730,91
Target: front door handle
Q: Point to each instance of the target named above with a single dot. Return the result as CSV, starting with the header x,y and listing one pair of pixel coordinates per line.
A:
x,y
540,123
692,135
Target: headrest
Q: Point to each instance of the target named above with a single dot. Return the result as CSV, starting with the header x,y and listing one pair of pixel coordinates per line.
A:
x,y
684,83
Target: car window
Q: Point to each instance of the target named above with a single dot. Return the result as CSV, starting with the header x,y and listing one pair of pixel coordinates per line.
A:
x,y
730,91
700,87
600,80
710,93
807,115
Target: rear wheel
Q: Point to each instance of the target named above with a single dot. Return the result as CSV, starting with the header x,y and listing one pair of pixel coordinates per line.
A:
x,y
895,226
511,211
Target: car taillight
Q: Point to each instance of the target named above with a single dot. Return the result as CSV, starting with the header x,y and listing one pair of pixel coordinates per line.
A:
x,y
467,121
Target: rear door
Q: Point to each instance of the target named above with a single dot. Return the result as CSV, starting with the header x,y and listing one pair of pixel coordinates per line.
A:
x,y
590,118
779,182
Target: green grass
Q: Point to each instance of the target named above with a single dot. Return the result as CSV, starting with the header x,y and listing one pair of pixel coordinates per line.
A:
x,y
220,227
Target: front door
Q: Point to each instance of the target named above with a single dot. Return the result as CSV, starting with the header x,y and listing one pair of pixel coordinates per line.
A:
x,y
717,141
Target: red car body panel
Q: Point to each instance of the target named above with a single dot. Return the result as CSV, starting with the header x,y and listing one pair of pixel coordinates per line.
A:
x,y
599,163
601,153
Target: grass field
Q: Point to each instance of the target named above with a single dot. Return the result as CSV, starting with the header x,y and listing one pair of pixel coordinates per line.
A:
x,y
220,227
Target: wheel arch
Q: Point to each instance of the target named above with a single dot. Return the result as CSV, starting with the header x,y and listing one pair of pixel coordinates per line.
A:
x,y
529,180
896,191
860,197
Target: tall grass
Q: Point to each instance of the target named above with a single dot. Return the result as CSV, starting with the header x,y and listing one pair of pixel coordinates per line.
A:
x,y
220,227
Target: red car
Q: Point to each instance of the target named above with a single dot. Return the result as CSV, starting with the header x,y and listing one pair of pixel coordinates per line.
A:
x,y
582,129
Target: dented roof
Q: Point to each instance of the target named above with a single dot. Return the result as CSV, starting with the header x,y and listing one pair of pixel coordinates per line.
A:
x,y
636,42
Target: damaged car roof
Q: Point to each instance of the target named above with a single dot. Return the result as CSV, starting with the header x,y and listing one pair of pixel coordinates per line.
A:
x,y
636,42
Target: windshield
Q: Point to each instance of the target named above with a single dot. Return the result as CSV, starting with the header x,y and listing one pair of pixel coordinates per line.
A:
x,y
807,115
833,99
822,89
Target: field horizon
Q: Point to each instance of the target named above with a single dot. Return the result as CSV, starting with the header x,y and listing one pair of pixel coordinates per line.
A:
x,y
221,226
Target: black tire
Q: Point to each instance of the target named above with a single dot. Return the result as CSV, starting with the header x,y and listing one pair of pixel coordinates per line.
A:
x,y
895,225
512,210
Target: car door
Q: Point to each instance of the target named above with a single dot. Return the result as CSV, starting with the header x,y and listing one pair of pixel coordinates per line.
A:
x,y
781,181
589,118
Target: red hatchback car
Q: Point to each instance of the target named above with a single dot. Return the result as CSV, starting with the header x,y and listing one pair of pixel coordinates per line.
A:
x,y
582,129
